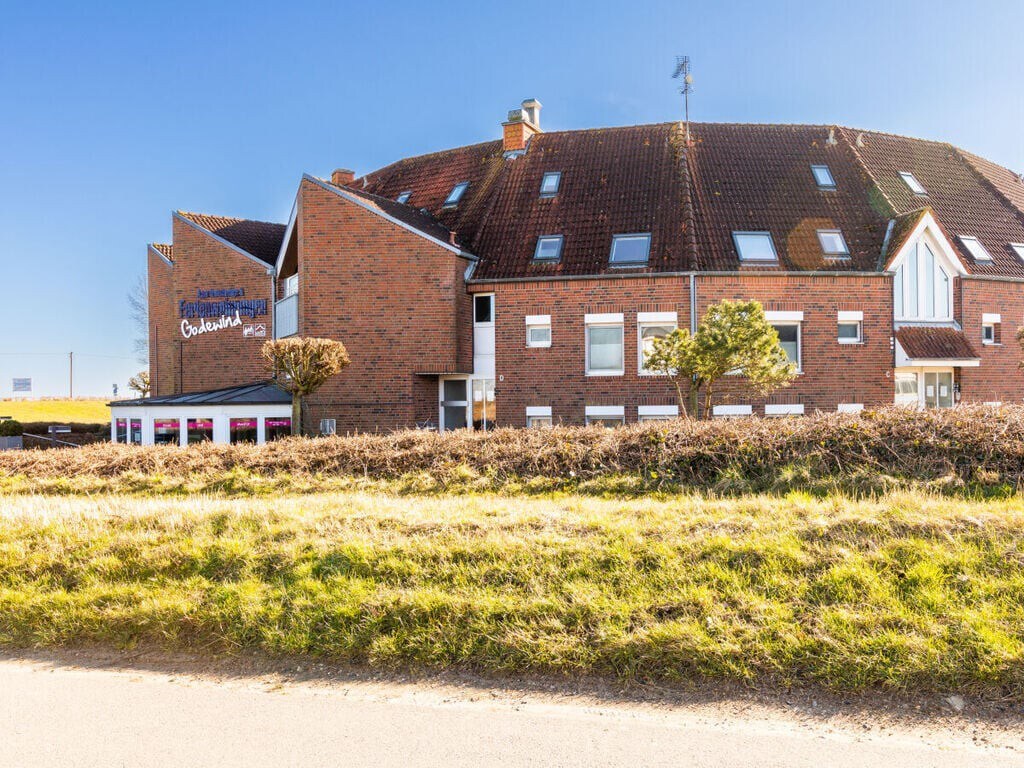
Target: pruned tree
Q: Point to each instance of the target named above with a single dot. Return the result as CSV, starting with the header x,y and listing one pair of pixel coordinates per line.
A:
x,y
302,366
733,337
138,312
140,383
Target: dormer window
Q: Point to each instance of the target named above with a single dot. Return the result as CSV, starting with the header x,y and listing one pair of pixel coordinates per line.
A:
x,y
456,194
630,250
1018,248
975,248
404,197
549,248
550,183
755,246
823,177
833,245
911,181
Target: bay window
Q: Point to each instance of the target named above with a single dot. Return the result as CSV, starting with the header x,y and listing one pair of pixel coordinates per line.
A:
x,y
922,288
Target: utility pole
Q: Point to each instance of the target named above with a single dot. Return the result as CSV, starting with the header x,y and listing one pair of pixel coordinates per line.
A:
x,y
71,375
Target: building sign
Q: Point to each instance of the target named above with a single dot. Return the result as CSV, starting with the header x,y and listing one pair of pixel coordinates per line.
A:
x,y
21,385
254,331
220,308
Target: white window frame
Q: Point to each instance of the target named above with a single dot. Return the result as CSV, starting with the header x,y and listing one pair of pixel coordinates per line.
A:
x,y
851,318
560,239
823,234
731,411
536,414
976,248
594,413
900,282
456,195
784,409
913,184
291,285
649,320
1018,248
657,412
616,239
483,323
538,321
403,197
739,236
990,320
608,320
830,185
543,182
775,317
850,407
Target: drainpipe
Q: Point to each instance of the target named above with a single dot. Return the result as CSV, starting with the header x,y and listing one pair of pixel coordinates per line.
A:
x,y
693,303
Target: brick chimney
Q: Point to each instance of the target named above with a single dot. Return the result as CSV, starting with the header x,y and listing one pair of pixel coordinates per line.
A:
x,y
521,125
342,176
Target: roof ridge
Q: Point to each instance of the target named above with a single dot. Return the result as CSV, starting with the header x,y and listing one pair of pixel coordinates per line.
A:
x,y
689,216
893,210
189,214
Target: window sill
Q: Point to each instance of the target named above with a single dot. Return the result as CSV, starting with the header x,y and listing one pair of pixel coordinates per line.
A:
x,y
848,343
538,346
605,373
651,374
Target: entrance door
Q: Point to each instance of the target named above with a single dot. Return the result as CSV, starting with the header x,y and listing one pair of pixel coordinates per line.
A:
x,y
484,411
938,389
454,404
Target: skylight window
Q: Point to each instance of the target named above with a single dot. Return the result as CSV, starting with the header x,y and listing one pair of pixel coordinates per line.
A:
x,y
755,246
913,183
832,243
550,183
823,177
456,194
976,249
404,197
629,250
1018,248
549,248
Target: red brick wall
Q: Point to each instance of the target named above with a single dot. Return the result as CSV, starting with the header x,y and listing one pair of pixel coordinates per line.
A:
x,y
163,358
211,360
999,377
397,301
833,373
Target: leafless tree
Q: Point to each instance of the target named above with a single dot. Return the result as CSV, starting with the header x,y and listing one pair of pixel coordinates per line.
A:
x,y
138,311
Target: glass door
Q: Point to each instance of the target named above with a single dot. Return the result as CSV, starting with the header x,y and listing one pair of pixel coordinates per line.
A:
x,y
484,409
454,404
938,389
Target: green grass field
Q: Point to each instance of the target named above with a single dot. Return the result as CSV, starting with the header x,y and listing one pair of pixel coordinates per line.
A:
x,y
907,591
57,411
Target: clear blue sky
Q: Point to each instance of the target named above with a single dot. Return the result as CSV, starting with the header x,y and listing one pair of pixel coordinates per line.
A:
x,y
111,117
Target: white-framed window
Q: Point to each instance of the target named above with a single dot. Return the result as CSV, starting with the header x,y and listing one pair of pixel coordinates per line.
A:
x,y
657,412
923,289
990,327
1018,248
833,244
852,407
850,327
483,309
789,340
538,330
911,181
975,248
784,409
823,177
907,389
403,197
651,326
604,345
605,415
630,250
538,416
755,246
456,194
549,248
731,411
291,285
550,183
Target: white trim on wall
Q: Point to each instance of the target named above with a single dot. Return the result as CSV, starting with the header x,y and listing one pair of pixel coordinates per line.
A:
x,y
784,409
775,316
657,318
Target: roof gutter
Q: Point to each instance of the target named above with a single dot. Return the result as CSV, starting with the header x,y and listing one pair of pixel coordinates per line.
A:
x,y
694,274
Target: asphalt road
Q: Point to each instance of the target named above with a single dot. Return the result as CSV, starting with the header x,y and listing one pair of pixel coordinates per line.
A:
x,y
52,715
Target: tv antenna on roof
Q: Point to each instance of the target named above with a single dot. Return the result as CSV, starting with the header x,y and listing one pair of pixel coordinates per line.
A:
x,y
683,71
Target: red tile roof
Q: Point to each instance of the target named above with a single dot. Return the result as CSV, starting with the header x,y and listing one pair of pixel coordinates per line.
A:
x,y
261,239
164,249
928,343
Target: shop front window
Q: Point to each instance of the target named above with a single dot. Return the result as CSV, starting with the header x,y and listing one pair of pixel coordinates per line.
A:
x,y
135,436
278,428
243,430
122,431
200,431
167,431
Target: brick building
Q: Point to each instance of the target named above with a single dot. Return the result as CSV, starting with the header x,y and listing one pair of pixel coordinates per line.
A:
x,y
513,282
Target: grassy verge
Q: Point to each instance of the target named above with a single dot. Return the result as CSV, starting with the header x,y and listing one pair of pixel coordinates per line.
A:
x,y
57,411
907,591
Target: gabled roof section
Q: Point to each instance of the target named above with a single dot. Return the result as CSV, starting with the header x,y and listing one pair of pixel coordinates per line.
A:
x,y
420,222
963,199
260,393
260,239
903,227
929,343
165,250
754,178
1007,183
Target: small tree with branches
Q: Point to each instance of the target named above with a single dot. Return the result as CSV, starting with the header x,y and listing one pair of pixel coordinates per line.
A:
x,y
302,366
733,337
140,383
